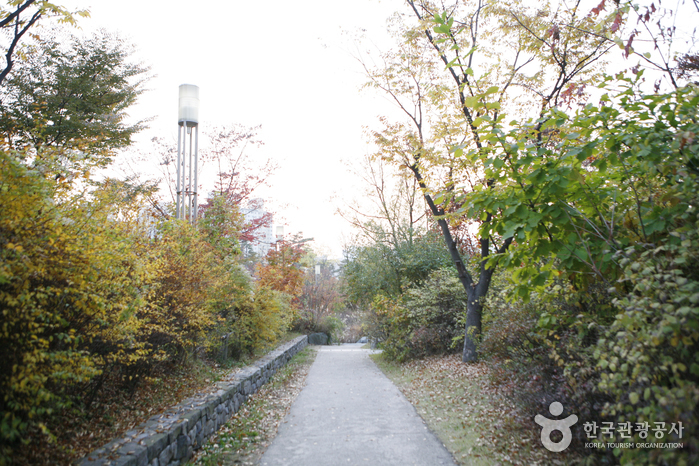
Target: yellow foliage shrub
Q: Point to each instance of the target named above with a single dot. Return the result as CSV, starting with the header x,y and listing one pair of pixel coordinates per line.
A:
x,y
47,299
94,291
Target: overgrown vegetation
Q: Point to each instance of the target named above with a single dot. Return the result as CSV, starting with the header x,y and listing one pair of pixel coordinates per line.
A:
x,y
426,319
101,290
583,196
616,325
115,411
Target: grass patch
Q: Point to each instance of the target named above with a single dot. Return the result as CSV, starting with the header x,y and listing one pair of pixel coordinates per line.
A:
x,y
460,407
244,438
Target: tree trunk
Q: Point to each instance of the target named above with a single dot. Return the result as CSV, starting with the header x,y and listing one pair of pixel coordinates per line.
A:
x,y
473,328
474,292
474,308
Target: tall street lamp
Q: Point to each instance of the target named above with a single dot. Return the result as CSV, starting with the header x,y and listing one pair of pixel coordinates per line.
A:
x,y
187,170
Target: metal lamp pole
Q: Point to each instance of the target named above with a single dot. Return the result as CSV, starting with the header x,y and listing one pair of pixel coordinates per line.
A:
x,y
187,166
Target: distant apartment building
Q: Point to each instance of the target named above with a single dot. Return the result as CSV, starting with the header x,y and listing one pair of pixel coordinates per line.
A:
x,y
264,239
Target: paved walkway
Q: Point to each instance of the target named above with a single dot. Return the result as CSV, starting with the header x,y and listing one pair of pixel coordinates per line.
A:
x,y
349,413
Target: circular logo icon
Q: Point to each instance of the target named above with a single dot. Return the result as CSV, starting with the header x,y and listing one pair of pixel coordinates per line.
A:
x,y
561,425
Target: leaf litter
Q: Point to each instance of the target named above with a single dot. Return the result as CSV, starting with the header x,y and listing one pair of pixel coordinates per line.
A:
x,y
465,410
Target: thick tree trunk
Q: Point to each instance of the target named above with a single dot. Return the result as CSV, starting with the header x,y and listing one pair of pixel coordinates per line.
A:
x,y
474,310
473,329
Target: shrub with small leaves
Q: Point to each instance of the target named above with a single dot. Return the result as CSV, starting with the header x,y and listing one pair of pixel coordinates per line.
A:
x,y
427,319
649,360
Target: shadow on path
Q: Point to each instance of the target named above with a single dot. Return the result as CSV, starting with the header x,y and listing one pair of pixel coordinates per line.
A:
x,y
350,413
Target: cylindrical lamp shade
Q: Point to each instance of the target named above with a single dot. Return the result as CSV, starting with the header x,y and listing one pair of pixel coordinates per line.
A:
x,y
189,105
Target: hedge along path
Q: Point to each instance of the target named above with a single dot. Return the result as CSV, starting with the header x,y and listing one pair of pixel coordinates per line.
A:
x,y
170,439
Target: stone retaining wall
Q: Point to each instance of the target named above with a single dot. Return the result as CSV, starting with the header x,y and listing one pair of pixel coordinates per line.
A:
x,y
170,439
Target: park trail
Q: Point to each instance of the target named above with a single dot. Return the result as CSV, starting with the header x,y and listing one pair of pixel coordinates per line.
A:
x,y
350,413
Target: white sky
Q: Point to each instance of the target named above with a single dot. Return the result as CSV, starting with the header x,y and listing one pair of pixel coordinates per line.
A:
x,y
285,65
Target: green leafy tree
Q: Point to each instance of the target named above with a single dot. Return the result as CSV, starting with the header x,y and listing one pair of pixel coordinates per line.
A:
x,y
394,248
381,268
18,17
616,204
64,106
457,67
601,204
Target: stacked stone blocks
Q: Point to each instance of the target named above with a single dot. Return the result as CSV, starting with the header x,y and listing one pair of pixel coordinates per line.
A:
x,y
169,439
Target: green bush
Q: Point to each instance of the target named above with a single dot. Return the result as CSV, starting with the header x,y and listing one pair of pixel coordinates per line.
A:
x,y
649,357
542,351
612,330
389,268
331,325
427,319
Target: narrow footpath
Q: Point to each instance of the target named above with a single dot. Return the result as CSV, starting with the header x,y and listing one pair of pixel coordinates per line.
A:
x,y
350,413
